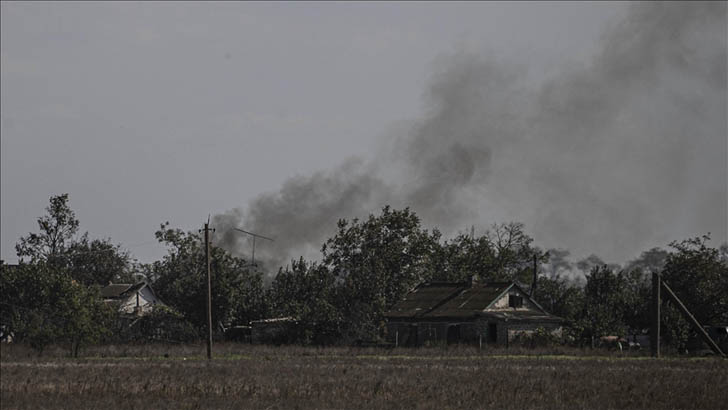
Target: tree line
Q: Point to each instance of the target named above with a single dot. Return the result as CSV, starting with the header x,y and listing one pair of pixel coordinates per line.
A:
x,y
368,265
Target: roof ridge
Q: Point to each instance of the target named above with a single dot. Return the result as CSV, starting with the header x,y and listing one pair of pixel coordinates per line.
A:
x,y
458,290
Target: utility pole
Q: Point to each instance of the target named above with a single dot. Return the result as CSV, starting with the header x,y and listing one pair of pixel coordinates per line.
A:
x,y
532,291
655,328
209,292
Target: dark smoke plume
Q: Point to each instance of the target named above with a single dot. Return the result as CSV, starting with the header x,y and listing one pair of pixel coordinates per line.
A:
x,y
613,157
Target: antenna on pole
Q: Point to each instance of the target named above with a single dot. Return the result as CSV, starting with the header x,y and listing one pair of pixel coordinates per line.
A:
x,y
254,235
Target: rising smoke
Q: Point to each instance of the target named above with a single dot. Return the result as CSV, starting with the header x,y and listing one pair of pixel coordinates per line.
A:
x,y
613,157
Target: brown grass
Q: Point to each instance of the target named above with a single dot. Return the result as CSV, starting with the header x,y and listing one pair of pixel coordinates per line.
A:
x,y
244,376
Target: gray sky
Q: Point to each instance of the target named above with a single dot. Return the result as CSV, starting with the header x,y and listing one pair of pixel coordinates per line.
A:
x,y
153,112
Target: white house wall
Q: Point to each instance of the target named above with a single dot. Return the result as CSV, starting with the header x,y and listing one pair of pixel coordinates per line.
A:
x,y
146,301
502,303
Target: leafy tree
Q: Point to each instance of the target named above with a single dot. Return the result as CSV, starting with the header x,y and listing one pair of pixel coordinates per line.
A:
x,y
308,292
56,231
637,299
638,276
513,253
41,305
376,262
180,279
458,259
503,253
99,262
87,261
162,324
87,318
698,274
560,297
604,302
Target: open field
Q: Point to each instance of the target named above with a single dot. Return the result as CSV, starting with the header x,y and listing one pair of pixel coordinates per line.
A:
x,y
244,376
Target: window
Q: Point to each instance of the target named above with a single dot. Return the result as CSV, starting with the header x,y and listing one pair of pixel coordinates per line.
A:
x,y
515,301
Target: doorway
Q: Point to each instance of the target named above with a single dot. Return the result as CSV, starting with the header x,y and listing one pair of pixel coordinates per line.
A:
x,y
453,334
492,333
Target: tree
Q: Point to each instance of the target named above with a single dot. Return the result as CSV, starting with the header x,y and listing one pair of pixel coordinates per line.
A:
x,y
308,292
48,299
376,262
503,253
637,299
162,324
41,305
698,274
56,231
638,277
98,262
560,297
85,318
604,302
87,261
180,279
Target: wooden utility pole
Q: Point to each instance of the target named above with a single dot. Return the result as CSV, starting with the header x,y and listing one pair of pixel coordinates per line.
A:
x,y
655,328
209,292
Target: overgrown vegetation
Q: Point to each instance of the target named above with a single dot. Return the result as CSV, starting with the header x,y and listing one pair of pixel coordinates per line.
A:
x,y
366,267
247,376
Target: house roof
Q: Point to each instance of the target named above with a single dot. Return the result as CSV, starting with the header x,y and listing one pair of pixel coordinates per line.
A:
x,y
522,316
119,290
471,300
432,301
424,298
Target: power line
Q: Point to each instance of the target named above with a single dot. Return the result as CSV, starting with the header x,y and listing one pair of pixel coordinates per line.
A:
x,y
254,235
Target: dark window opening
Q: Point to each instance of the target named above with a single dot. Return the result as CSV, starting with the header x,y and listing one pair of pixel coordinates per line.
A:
x,y
411,339
515,301
453,334
492,333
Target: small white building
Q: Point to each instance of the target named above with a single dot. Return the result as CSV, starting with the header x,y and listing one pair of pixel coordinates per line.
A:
x,y
136,298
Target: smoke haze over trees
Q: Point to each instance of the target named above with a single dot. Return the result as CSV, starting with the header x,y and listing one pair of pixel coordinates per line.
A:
x,y
621,154
367,267
582,168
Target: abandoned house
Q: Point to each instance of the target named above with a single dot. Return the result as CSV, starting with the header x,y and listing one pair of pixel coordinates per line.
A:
x,y
136,298
467,312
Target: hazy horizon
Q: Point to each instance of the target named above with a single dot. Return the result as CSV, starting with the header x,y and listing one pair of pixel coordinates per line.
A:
x,y
600,126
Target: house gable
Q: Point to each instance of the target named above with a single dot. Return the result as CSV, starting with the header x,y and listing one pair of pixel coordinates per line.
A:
x,y
143,299
514,299
137,298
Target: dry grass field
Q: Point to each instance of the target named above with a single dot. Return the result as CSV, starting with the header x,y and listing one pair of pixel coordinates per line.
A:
x,y
260,377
